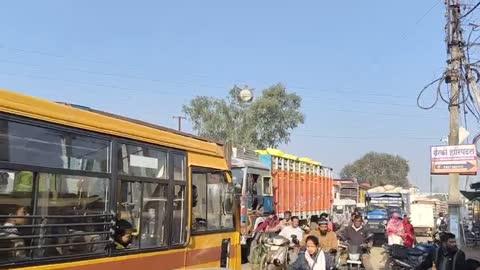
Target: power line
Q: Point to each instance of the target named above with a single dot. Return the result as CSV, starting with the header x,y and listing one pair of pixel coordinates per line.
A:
x,y
128,90
87,83
192,84
365,137
470,11
420,19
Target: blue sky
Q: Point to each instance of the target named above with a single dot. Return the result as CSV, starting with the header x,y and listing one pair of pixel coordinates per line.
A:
x,y
358,65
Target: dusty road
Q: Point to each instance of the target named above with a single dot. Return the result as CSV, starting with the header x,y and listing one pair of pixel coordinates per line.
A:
x,y
378,260
375,255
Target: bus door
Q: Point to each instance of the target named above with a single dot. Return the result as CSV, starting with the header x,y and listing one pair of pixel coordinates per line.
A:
x,y
213,235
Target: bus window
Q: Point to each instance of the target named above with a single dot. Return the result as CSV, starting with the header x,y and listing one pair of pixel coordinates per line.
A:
x,y
227,203
214,201
178,167
153,232
38,146
199,210
142,161
146,179
213,208
16,204
129,206
178,233
63,197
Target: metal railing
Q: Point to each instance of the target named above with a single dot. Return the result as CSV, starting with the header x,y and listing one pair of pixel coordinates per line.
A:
x,y
31,240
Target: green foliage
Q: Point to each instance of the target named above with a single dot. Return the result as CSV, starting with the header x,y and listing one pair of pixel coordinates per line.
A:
x,y
266,122
379,169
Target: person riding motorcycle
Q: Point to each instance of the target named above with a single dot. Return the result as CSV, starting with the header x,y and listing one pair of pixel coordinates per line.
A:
x,y
357,235
448,256
395,230
328,239
409,237
294,234
313,258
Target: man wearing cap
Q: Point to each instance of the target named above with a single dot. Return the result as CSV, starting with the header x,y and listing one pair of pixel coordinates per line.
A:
x,y
328,239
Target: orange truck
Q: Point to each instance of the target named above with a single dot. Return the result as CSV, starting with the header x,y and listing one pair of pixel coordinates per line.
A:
x,y
300,185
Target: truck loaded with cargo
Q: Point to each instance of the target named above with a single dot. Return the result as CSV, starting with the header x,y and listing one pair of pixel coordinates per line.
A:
x,y
253,182
382,202
422,216
300,185
271,181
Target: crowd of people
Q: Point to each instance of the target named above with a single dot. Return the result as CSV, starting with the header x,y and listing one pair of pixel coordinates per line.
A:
x,y
319,246
318,241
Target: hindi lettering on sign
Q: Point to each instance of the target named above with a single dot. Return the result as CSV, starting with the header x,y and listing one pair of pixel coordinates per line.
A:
x,y
461,159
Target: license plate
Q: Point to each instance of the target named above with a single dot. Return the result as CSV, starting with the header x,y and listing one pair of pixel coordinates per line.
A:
x,y
274,248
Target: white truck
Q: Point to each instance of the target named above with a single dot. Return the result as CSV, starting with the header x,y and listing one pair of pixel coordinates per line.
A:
x,y
422,217
342,210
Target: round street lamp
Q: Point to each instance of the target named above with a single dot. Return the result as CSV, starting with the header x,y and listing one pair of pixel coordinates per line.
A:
x,y
245,95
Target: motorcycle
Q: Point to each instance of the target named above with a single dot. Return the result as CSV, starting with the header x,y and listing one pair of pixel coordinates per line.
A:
x,y
352,253
418,258
279,254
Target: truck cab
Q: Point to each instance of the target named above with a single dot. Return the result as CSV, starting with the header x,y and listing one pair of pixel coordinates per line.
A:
x,y
253,182
342,210
380,207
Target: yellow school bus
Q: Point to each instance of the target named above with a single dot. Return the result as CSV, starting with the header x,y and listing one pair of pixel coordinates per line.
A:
x,y
84,189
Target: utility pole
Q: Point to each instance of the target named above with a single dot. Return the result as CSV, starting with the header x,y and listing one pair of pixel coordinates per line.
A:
x,y
454,38
431,185
180,118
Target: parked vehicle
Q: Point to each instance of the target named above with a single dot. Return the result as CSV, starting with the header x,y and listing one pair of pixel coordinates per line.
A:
x,y
253,182
342,210
422,217
380,206
300,185
418,258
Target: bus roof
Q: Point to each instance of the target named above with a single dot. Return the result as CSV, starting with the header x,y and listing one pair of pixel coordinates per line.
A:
x,y
103,122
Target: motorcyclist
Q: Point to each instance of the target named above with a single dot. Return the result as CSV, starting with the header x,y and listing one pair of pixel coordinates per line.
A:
x,y
313,258
395,230
409,237
312,229
448,255
269,224
357,235
287,220
294,234
293,229
328,239
326,217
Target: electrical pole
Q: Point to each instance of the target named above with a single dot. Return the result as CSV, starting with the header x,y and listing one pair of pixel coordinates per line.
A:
x,y
180,118
431,185
454,38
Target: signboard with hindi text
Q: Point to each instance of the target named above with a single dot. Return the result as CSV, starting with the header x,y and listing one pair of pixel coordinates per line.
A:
x,y
461,159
